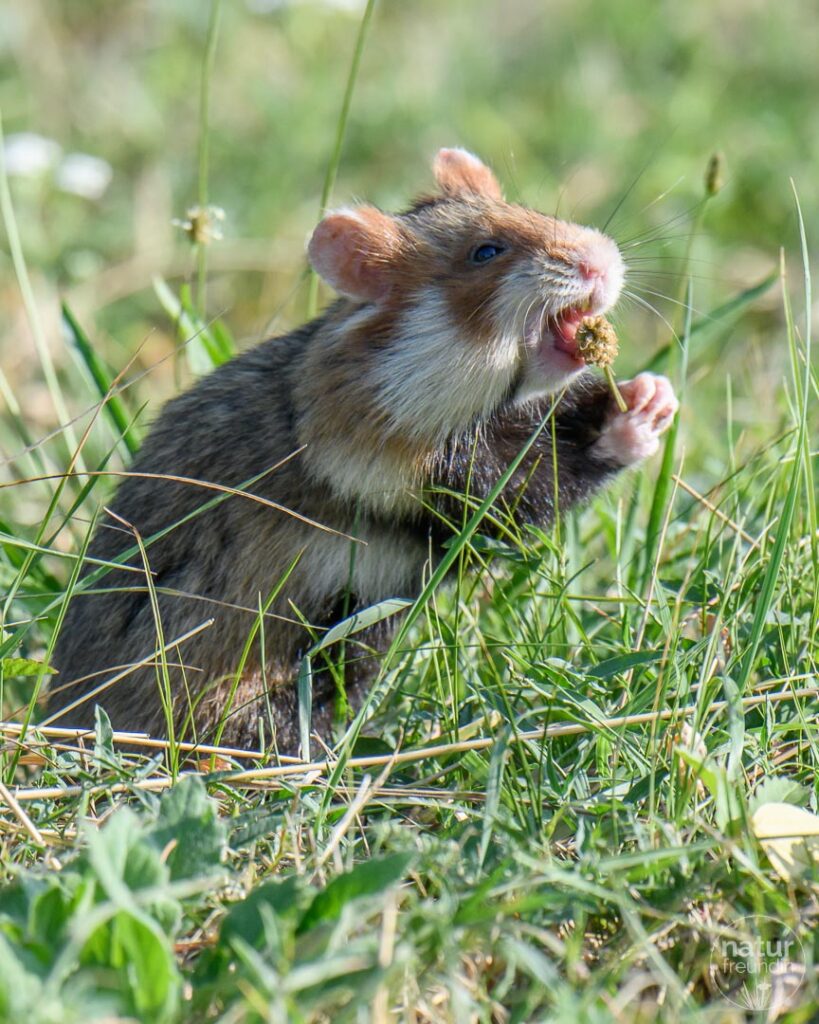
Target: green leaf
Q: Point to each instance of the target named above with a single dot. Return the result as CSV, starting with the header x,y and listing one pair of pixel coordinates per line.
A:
x,y
663,485
304,689
217,340
494,785
144,961
24,667
20,989
188,816
247,920
104,753
203,350
247,828
372,746
615,666
778,790
766,593
371,878
736,727
50,914
107,853
725,793
360,620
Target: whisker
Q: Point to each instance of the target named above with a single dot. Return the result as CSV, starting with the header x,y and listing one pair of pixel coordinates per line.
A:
x,y
649,160
670,274
649,258
526,314
663,238
479,307
689,212
652,309
684,305
661,196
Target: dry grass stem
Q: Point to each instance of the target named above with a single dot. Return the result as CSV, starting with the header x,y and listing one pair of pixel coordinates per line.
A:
x,y
315,769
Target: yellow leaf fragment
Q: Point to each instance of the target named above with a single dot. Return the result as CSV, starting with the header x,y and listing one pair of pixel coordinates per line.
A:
x,y
789,836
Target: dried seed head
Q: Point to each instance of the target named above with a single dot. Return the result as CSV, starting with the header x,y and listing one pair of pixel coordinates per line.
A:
x,y
201,224
597,341
714,174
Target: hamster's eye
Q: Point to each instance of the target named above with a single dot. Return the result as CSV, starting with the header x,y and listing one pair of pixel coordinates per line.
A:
x,y
486,251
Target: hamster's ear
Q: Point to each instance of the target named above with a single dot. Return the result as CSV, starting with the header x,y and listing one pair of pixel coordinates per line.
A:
x,y
458,172
353,250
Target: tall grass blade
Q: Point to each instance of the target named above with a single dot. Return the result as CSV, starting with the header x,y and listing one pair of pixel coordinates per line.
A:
x,y
204,150
767,589
664,484
341,128
114,407
30,303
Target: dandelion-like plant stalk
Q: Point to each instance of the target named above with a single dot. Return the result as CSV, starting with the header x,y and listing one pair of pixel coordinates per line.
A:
x,y
597,343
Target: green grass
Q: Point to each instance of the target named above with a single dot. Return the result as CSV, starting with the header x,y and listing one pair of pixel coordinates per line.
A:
x,y
550,815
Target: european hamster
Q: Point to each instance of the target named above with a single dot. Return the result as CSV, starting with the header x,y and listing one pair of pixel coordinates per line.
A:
x,y
454,329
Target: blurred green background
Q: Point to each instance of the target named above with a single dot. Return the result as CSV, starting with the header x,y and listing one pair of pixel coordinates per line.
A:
x,y
581,106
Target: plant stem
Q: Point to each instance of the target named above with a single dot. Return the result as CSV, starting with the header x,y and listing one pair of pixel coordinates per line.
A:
x,y
204,150
341,128
30,304
618,398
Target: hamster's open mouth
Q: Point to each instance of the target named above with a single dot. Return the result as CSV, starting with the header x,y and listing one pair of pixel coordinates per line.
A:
x,y
559,333
550,356
563,329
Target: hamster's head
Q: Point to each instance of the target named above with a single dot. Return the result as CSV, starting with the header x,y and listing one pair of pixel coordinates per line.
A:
x,y
465,301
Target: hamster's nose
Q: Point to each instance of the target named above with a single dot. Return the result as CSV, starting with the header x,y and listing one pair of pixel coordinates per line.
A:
x,y
600,266
591,269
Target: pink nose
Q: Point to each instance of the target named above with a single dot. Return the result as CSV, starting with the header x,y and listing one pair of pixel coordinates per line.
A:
x,y
591,270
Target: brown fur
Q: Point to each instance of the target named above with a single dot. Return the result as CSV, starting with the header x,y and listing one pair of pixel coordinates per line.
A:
x,y
377,449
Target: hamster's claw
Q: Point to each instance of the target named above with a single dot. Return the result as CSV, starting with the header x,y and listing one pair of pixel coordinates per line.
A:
x,y
635,434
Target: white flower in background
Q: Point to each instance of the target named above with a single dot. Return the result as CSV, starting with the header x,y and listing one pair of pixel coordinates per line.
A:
x,y
84,175
28,155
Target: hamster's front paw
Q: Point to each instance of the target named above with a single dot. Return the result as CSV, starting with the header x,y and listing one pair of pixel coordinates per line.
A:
x,y
630,436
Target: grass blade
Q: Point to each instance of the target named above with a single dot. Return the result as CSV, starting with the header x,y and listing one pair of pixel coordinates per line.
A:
x,y
30,303
767,589
113,406
341,128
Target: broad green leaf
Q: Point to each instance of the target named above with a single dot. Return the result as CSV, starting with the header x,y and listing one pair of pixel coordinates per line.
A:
x,y
148,980
107,853
283,898
370,878
20,989
50,914
777,789
190,818
247,828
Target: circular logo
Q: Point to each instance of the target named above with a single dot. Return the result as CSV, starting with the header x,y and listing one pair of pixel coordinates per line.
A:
x,y
757,963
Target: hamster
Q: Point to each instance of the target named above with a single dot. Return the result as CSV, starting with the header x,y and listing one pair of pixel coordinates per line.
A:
x,y
453,332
